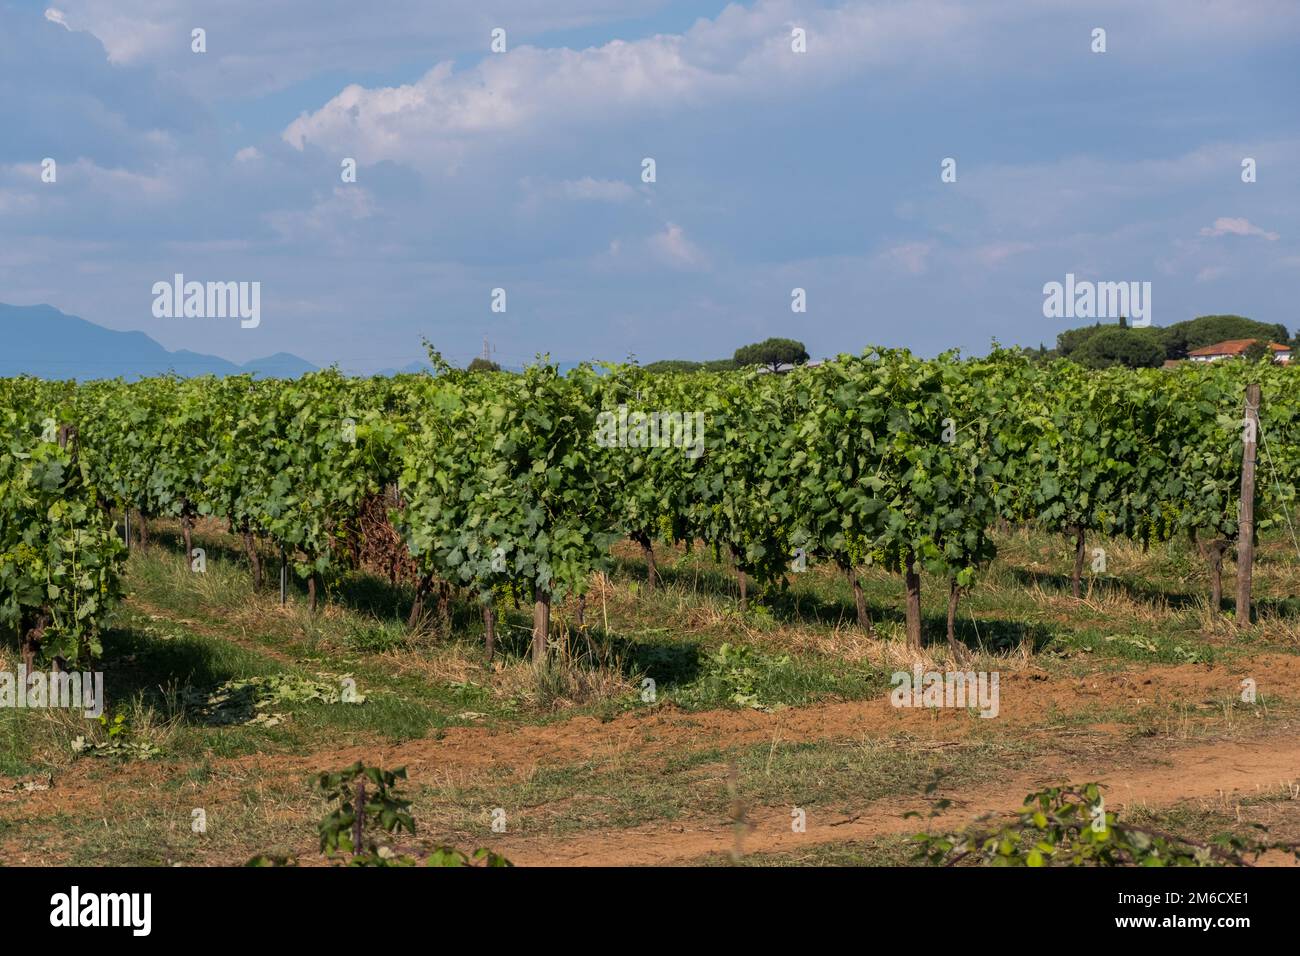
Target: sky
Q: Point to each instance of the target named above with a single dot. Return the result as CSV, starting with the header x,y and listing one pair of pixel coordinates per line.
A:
x,y
775,169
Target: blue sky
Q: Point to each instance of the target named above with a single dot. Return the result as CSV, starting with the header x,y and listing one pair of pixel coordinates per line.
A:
x,y
522,169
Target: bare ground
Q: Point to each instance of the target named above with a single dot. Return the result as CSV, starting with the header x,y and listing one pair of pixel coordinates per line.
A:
x,y
1157,771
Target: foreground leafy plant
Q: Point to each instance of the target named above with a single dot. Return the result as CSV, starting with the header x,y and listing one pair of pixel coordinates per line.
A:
x,y
366,809
249,700
119,743
734,673
1069,826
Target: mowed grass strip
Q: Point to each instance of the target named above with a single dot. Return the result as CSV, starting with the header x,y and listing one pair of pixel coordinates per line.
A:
x,y
832,775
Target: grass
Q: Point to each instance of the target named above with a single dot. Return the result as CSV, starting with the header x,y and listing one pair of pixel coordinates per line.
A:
x,y
886,851
684,647
617,793
1268,817
1272,816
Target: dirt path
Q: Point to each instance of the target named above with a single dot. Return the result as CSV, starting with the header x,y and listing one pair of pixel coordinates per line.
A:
x,y
1158,771
1217,771
461,754
1028,699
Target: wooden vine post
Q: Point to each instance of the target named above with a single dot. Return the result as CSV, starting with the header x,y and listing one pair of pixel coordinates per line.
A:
x,y
359,817
1246,528
541,624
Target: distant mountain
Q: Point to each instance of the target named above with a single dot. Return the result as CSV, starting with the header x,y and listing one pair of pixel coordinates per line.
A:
x,y
423,366
42,341
279,365
413,368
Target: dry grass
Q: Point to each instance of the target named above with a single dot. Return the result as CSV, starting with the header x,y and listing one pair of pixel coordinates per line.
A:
x,y
573,678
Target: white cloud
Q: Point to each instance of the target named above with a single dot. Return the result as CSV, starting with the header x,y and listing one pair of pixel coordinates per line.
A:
x,y
745,52
85,178
14,202
912,258
255,46
674,249
600,190
1237,226
586,189
994,253
57,16
327,218
742,53
248,154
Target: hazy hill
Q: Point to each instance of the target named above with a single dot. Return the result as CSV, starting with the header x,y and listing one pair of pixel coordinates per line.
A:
x,y
42,341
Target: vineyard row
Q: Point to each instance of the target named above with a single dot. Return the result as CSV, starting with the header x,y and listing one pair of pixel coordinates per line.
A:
x,y
498,483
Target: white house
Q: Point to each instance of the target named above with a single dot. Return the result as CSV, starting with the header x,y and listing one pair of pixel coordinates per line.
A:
x,y
1235,348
